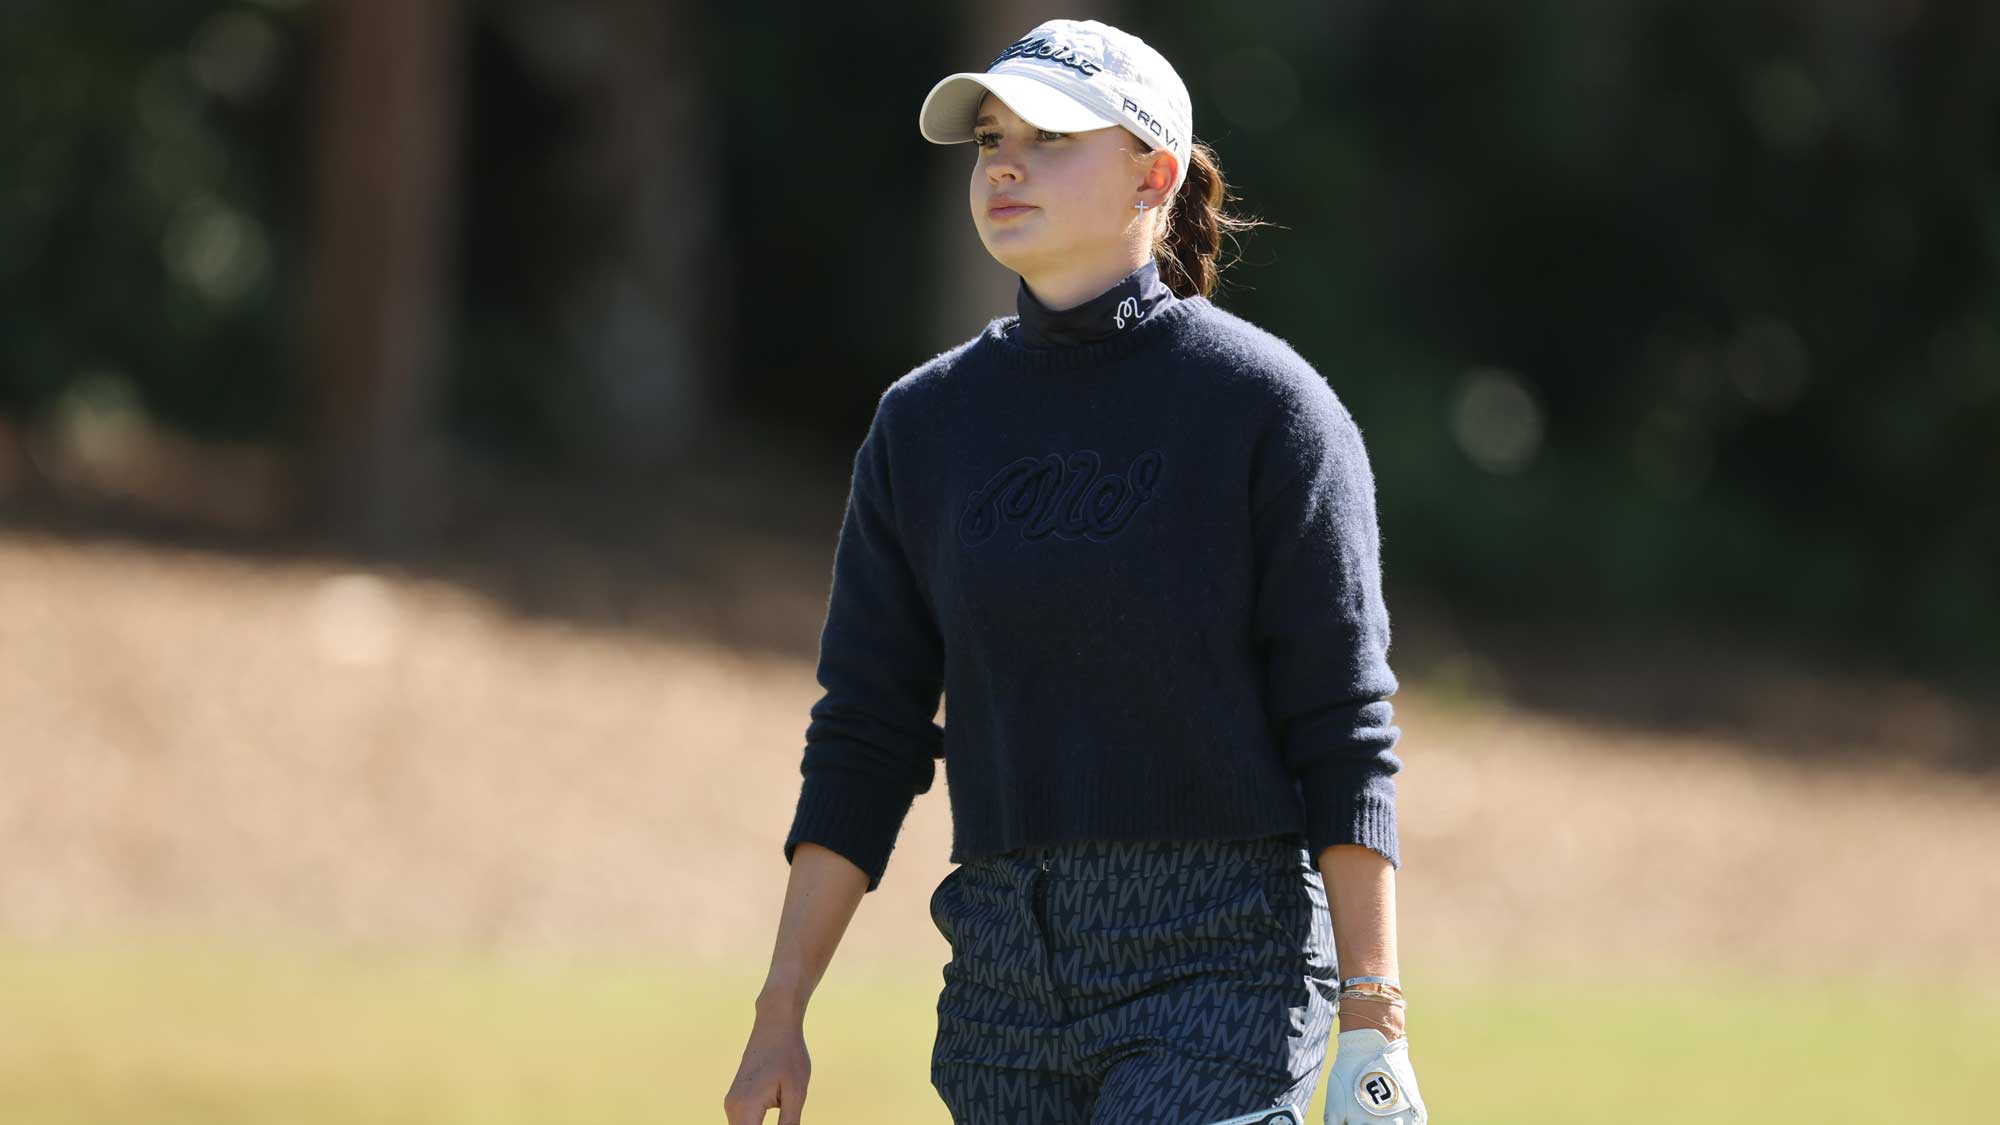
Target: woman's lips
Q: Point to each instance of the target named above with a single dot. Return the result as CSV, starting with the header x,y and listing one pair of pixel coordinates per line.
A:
x,y
1008,212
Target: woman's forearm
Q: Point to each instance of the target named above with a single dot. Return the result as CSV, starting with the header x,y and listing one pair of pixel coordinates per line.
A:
x,y
1361,892
821,895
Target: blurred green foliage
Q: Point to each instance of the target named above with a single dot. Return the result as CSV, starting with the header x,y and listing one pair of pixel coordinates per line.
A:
x,y
1647,309
152,168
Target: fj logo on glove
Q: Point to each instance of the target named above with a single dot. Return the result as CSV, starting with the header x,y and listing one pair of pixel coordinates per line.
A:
x,y
1377,1091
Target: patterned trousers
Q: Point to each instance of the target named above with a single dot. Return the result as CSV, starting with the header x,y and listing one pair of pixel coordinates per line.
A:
x,y
1134,983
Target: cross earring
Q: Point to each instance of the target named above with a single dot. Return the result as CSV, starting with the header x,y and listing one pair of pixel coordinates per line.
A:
x,y
1141,205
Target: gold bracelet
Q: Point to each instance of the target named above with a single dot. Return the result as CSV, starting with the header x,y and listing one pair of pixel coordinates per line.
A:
x,y
1386,991
1395,1027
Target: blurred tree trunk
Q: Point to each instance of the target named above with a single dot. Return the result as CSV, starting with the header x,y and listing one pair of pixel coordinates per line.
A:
x,y
387,135
644,320
970,287
639,325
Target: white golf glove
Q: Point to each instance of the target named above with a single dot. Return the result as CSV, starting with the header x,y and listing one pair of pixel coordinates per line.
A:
x,y
1372,1082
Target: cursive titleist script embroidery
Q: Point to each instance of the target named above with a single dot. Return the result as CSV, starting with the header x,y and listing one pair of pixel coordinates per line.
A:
x,y
1035,50
1061,496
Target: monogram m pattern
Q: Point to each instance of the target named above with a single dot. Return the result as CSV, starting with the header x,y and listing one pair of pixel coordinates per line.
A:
x,y
1074,967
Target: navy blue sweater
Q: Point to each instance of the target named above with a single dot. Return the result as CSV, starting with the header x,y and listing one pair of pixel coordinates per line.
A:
x,y
1134,546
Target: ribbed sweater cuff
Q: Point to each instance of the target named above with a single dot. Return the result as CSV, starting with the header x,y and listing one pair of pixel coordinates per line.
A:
x,y
1345,808
853,814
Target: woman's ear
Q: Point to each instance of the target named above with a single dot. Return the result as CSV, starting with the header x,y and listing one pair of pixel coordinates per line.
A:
x,y
1155,174
1159,173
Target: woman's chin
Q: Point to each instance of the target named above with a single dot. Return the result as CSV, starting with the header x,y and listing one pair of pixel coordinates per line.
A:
x,y
1016,252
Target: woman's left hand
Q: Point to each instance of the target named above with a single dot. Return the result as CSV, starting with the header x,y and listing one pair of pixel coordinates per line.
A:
x,y
1372,1081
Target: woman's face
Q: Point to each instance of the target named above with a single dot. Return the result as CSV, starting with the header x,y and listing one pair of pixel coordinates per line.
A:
x,y
1077,192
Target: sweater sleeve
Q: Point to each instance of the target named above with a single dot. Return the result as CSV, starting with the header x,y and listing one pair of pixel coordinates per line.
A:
x,y
872,742
1322,629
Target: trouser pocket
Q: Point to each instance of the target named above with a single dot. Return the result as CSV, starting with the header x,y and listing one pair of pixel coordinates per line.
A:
x,y
940,904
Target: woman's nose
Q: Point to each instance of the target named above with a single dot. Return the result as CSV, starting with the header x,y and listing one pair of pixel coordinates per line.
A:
x,y
1003,161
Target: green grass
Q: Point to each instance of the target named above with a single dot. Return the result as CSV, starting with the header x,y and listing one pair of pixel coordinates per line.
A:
x,y
180,1032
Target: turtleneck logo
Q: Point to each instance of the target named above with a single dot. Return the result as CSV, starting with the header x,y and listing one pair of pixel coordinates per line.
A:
x,y
1127,307
1061,496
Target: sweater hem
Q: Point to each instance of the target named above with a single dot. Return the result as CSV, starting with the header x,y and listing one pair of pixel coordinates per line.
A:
x,y
1242,830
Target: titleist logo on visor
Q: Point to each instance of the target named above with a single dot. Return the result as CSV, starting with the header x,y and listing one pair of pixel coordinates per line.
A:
x,y
1033,47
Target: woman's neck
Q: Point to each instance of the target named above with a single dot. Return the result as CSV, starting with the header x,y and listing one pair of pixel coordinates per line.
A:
x,y
1113,310
1072,283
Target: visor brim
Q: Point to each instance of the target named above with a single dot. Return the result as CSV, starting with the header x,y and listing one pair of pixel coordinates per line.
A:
x,y
949,109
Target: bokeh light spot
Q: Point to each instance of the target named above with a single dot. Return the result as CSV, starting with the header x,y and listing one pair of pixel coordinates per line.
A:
x,y
1496,419
217,251
354,620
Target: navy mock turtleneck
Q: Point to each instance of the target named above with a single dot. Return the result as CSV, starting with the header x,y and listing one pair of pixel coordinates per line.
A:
x,y
1138,295
1148,584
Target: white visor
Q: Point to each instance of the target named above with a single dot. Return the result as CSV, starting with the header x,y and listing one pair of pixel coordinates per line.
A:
x,y
1072,76
948,110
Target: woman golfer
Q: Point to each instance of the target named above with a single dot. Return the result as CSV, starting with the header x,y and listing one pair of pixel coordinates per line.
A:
x,y
1131,539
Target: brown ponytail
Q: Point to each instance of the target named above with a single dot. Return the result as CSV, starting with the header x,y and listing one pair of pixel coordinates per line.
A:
x,y
1189,244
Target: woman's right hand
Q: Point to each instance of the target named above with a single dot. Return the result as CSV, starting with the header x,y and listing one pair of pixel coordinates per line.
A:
x,y
821,895
773,1073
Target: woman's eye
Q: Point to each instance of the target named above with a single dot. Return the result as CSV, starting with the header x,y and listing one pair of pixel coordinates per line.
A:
x,y
982,140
